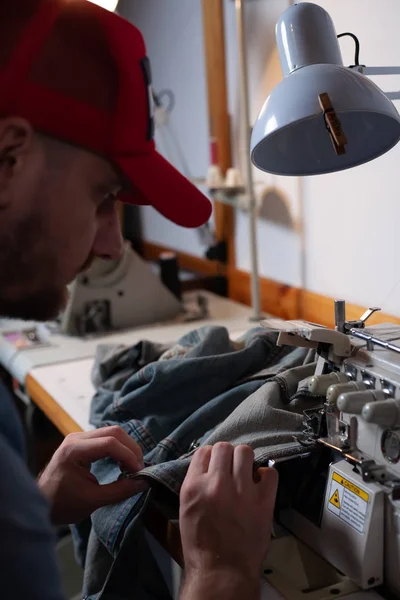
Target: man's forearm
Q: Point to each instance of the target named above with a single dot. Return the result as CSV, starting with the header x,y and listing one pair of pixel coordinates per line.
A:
x,y
219,586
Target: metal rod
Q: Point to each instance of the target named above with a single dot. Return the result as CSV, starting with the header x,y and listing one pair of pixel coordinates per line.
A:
x,y
353,433
392,95
373,340
381,70
244,93
302,240
340,315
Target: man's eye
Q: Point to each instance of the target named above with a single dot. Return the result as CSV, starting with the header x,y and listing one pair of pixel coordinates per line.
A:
x,y
107,204
111,197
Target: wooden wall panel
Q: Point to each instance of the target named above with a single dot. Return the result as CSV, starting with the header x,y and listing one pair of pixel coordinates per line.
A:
x,y
276,298
219,123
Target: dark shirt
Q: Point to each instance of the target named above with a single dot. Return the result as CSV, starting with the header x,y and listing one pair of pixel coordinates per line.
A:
x,y
28,567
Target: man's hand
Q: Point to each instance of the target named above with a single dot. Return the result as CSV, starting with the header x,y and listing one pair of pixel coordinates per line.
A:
x,y
226,522
73,492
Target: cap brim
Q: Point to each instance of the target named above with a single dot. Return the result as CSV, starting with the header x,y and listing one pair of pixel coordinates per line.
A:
x,y
159,184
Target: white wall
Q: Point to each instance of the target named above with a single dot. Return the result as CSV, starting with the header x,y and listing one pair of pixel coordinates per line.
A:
x,y
350,219
279,246
173,34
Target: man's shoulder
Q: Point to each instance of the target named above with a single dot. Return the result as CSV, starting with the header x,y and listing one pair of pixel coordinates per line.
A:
x,y
10,425
20,500
21,504
28,564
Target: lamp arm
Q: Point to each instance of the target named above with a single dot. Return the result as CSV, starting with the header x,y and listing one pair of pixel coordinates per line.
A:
x,y
245,108
382,71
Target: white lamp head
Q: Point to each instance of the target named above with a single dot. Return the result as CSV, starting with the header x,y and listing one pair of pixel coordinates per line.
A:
x,y
108,4
290,136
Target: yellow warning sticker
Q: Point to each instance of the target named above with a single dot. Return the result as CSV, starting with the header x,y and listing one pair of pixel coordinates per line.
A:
x,y
348,502
335,499
350,486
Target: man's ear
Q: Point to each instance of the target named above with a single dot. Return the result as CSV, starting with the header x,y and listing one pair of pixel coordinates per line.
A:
x,y
16,138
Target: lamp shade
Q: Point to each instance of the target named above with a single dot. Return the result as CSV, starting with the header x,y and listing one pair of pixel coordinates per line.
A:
x,y
290,136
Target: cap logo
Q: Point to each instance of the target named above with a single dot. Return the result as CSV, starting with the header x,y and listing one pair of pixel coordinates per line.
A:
x,y
146,68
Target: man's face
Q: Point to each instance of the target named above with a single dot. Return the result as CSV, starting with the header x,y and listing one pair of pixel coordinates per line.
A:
x,y
57,213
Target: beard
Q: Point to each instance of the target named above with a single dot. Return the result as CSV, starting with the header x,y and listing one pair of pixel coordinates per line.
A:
x,y
40,306
28,274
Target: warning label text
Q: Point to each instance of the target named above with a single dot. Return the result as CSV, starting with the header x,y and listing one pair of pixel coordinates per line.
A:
x,y
350,486
348,502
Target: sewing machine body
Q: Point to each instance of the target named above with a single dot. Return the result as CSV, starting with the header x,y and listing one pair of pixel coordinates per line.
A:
x,y
341,530
117,295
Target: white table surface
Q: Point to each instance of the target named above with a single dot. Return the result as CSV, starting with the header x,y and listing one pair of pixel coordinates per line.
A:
x,y
62,348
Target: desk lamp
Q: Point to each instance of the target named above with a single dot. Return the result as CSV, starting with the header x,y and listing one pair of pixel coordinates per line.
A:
x,y
322,117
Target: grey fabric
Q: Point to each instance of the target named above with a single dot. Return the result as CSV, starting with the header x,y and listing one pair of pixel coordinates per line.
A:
x,y
287,362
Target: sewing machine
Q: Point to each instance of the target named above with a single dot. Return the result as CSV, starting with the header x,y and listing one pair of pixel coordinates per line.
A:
x,y
116,295
340,522
107,303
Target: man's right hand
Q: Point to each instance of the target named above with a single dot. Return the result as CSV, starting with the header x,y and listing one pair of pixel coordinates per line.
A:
x,y
226,522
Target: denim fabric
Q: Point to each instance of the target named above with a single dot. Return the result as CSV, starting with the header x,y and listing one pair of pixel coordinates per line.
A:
x,y
268,420
133,573
204,389
114,365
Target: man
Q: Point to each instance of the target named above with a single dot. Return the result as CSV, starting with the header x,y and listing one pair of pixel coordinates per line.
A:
x,y
76,132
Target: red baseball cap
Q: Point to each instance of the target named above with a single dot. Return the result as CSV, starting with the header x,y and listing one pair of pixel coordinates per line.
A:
x,y
80,73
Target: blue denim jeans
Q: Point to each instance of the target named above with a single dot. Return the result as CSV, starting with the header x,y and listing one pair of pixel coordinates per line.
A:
x,y
188,396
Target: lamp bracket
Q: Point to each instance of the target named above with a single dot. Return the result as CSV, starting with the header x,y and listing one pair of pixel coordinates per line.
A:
x,y
381,71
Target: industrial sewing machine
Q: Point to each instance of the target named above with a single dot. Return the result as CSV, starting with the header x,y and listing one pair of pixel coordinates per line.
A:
x,y
106,302
341,516
116,295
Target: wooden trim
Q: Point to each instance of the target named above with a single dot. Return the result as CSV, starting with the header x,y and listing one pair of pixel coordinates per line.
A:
x,y
288,302
219,122
64,423
279,299
214,43
319,309
187,262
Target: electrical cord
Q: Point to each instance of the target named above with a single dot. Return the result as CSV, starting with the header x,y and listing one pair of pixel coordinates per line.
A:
x,y
157,97
166,133
357,48
171,99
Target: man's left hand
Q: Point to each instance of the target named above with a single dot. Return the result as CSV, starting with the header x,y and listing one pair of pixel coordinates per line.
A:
x,y
73,492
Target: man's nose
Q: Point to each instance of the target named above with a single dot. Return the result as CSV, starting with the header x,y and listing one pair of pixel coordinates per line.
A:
x,y
109,243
